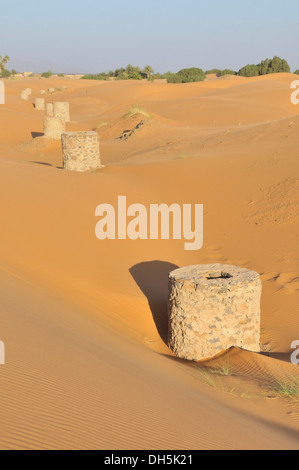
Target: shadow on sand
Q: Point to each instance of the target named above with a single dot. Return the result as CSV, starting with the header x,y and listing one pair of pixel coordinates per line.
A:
x,y
34,135
152,279
47,164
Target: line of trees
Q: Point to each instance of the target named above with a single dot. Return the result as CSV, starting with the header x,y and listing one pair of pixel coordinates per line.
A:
x,y
187,75
267,66
131,72
221,73
193,74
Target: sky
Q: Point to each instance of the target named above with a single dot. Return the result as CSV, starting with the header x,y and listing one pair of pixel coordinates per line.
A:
x,y
91,36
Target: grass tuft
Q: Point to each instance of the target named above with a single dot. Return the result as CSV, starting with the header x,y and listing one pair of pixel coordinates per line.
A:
x,y
134,110
225,369
102,124
287,389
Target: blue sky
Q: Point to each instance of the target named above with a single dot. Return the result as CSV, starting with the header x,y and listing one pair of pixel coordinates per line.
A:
x,y
96,35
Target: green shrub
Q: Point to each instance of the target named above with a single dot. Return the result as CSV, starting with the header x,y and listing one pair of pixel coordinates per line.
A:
x,y
129,73
249,71
275,65
134,75
191,75
158,76
186,76
267,66
5,73
296,72
47,74
226,72
99,76
213,71
60,75
264,67
173,78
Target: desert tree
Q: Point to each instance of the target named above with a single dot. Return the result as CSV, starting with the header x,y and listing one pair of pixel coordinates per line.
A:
x,y
148,70
4,61
250,70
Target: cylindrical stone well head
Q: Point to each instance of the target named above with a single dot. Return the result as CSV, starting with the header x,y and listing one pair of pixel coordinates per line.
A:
x,y
212,308
62,110
81,151
24,95
49,109
40,104
54,127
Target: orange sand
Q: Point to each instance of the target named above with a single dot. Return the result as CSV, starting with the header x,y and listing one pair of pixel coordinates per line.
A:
x,y
84,322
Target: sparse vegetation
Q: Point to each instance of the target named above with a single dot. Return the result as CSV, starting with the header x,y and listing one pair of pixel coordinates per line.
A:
x,y
47,74
213,71
3,62
249,71
129,73
296,72
172,77
148,70
288,389
5,73
134,110
267,66
99,76
102,124
187,76
60,75
222,377
215,378
226,72
225,369
221,73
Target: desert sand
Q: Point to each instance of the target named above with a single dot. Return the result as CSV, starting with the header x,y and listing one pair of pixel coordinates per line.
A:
x,y
84,321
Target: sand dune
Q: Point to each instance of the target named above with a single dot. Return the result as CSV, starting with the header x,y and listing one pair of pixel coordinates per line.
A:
x,y
84,322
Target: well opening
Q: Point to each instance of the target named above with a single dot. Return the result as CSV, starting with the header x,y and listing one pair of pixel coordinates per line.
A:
x,y
218,275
